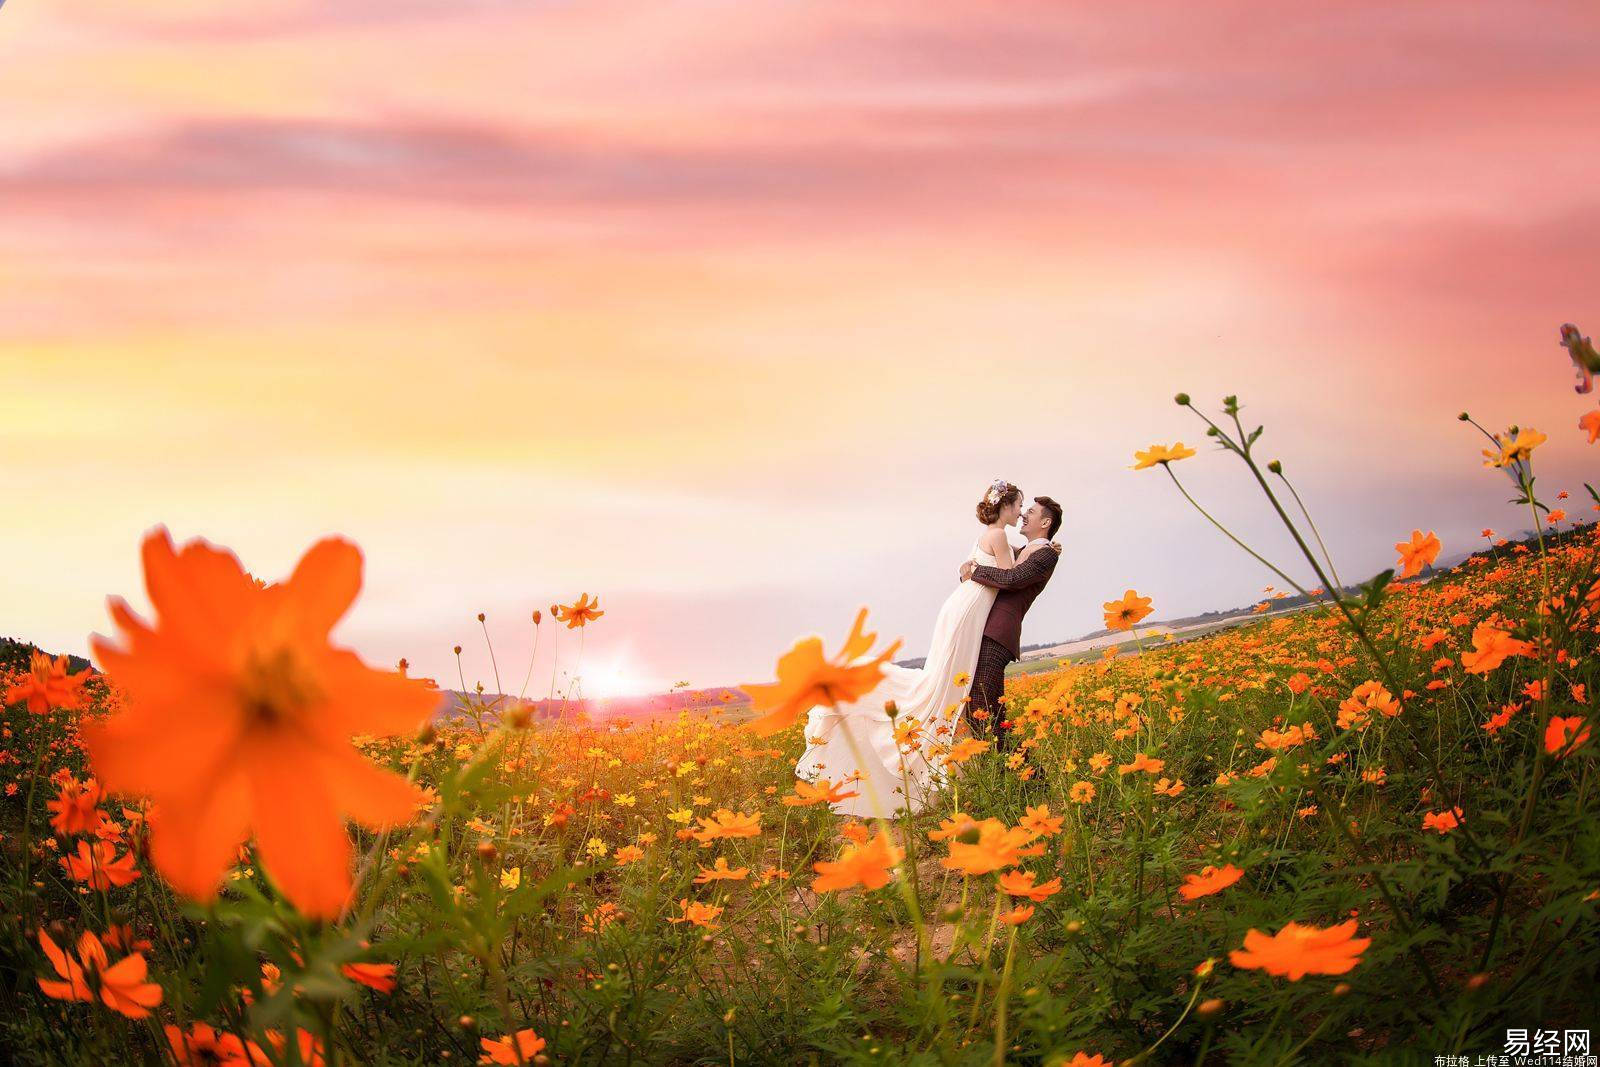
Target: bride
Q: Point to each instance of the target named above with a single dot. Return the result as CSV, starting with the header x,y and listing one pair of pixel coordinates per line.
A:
x,y
894,762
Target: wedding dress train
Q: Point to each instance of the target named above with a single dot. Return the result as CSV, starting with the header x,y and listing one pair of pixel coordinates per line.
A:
x,y
899,760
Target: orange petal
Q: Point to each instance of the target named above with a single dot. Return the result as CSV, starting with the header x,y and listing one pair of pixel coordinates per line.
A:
x,y
302,840
195,840
324,584
370,795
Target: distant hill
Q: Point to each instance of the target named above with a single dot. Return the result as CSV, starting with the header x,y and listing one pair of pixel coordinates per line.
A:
x,y
16,655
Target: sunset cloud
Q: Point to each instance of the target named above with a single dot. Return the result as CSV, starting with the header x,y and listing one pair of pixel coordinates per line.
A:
x,y
722,309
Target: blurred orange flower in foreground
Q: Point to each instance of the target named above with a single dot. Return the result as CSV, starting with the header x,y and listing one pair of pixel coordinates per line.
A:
x,y
806,678
121,985
47,685
239,718
1296,950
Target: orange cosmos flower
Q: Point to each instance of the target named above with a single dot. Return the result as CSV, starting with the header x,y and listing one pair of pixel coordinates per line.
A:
x,y
957,824
77,808
1490,647
868,865
1442,821
724,823
697,913
100,866
997,846
379,976
1210,880
721,872
1417,552
1021,884
1514,447
806,678
578,614
1589,423
122,984
1083,1059
310,1047
1081,792
1564,733
1039,821
1017,916
521,1048
1124,614
823,792
240,716
203,1046
47,685
964,750
1162,454
1141,762
1296,950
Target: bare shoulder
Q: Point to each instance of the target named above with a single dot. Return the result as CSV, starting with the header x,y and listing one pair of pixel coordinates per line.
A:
x,y
991,541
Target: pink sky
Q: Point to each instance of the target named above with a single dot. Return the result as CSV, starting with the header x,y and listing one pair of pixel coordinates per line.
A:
x,y
728,312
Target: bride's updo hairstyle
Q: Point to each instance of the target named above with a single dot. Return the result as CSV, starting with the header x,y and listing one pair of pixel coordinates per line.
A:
x,y
1000,495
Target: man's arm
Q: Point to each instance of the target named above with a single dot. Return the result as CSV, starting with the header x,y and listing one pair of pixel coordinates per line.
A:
x,y
1031,571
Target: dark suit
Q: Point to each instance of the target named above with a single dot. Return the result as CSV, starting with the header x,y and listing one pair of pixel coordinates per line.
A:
x,y
1002,634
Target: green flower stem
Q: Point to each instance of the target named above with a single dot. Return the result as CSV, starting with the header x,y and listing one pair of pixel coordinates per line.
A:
x,y
1002,995
1194,996
1338,584
1229,533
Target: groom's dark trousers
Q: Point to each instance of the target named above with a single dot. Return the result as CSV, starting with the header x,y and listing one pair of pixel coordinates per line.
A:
x,y
1002,635
988,686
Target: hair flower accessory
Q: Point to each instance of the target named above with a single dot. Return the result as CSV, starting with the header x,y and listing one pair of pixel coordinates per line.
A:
x,y
998,486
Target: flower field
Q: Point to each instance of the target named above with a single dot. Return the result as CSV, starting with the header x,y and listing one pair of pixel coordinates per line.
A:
x,y
1365,832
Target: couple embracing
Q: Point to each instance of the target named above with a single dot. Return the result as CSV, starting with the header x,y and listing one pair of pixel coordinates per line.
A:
x,y
890,742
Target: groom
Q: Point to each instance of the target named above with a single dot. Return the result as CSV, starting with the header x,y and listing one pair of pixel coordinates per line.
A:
x,y
1002,635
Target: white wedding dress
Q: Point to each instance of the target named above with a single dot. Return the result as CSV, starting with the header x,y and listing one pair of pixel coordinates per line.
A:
x,y
860,736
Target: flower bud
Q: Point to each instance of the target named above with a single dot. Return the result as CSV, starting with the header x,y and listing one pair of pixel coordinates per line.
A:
x,y
1276,466
1463,416
427,734
480,616
538,616
1182,400
1478,981
1341,989
1211,1006
891,709
467,1022
458,650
